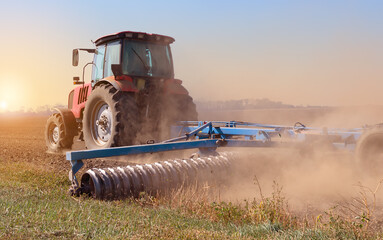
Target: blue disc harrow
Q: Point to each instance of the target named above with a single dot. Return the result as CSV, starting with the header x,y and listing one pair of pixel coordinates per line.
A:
x,y
207,166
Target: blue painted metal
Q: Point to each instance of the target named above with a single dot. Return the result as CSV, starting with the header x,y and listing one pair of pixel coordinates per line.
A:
x,y
207,136
138,149
261,131
76,164
193,132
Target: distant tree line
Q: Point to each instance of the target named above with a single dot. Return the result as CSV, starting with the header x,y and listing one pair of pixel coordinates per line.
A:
x,y
44,110
242,104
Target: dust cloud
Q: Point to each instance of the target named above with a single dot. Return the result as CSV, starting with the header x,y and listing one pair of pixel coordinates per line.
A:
x,y
312,180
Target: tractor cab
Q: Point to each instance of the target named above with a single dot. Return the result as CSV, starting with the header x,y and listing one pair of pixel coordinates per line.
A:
x,y
131,54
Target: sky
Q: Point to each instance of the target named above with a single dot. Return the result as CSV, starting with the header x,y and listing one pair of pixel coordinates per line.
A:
x,y
297,52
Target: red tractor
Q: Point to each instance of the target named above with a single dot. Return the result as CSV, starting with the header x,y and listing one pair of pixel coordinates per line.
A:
x,y
132,97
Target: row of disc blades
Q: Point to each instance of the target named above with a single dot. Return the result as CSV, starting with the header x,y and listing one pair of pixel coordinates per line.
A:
x,y
154,178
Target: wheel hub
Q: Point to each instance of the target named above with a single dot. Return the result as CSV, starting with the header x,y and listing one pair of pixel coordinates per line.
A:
x,y
56,134
102,124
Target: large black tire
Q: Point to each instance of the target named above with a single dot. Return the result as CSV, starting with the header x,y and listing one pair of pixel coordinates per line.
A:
x,y
111,118
369,151
176,108
180,108
56,138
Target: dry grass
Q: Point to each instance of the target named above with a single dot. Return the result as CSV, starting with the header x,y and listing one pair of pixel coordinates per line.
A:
x,y
350,219
34,204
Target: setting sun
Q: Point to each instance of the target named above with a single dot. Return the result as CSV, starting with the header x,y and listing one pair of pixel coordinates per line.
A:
x,y
3,105
12,94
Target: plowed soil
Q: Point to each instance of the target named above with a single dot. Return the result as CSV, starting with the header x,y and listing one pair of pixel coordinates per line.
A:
x,y
22,138
311,183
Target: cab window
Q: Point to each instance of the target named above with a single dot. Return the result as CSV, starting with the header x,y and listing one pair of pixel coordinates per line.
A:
x,y
98,67
113,51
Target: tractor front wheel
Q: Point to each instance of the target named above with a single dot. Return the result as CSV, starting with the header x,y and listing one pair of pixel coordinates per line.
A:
x,y
55,136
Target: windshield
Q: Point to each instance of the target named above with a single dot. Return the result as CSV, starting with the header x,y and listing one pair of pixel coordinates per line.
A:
x,y
147,59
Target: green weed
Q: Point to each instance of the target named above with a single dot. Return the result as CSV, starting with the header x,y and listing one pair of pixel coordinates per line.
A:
x,y
34,204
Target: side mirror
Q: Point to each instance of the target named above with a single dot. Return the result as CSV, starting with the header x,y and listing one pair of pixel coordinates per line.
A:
x,y
117,70
75,57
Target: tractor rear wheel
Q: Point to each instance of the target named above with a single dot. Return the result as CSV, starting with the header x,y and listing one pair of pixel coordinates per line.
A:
x,y
110,118
56,138
176,108
179,108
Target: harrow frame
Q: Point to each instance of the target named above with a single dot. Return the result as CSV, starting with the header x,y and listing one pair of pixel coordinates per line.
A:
x,y
208,136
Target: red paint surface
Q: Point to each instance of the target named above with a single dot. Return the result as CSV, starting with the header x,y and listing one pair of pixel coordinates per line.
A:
x,y
174,86
124,82
81,93
78,92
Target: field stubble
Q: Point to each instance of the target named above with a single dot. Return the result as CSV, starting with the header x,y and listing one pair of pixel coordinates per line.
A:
x,y
271,194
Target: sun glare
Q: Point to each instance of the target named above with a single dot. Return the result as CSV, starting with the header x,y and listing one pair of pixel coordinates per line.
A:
x,y
3,105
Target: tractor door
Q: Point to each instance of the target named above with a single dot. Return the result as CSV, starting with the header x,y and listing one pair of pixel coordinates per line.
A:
x,y
103,60
98,67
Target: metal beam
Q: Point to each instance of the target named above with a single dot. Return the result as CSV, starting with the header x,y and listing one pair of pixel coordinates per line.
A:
x,y
138,149
162,147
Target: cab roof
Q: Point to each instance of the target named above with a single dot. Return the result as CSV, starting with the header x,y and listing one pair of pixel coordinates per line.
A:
x,y
149,37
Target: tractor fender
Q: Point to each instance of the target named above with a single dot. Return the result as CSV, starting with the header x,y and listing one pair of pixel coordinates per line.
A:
x,y
70,124
174,86
123,83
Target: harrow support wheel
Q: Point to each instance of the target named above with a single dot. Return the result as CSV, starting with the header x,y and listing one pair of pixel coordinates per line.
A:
x,y
56,138
369,151
110,118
